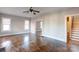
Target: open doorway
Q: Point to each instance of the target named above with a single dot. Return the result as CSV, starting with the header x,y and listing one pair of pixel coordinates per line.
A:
x,y
39,28
72,29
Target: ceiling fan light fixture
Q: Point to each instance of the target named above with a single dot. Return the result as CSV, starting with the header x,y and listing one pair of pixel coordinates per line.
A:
x,y
31,10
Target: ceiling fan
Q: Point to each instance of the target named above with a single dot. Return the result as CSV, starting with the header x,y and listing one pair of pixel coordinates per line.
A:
x,y
31,10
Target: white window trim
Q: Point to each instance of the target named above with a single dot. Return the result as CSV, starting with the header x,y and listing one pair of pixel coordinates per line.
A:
x,y
2,25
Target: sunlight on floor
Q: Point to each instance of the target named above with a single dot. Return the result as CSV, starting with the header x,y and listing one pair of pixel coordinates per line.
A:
x,y
6,45
26,41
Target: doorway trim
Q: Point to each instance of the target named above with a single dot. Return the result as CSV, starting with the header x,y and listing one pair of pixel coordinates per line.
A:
x,y
66,22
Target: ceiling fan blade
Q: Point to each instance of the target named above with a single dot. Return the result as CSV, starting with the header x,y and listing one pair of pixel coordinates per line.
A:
x,y
36,11
25,11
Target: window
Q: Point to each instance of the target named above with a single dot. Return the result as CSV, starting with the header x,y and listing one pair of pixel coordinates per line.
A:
x,y
26,26
41,24
6,24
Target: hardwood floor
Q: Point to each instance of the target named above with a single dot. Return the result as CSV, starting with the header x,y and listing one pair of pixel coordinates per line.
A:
x,y
31,43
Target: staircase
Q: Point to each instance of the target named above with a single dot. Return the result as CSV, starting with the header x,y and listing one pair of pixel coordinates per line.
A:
x,y
75,29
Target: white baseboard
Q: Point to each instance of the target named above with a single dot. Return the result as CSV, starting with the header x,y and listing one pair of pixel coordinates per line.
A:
x,y
12,33
64,40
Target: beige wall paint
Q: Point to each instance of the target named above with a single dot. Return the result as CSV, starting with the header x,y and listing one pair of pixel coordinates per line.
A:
x,y
17,24
54,24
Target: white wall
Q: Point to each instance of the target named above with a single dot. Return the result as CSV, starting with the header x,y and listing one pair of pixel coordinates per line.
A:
x,y
17,24
54,25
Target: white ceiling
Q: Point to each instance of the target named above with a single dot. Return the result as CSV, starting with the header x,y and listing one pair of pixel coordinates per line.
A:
x,y
18,11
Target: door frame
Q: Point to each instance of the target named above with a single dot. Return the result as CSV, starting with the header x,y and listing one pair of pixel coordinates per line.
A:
x,y
68,31
66,23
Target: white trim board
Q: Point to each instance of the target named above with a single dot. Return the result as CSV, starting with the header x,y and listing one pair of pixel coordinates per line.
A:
x,y
55,38
13,34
